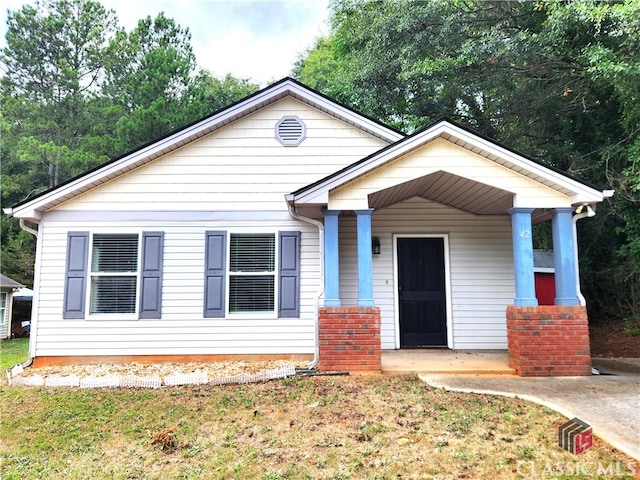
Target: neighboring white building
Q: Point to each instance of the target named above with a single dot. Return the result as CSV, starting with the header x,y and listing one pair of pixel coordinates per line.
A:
x,y
224,238
7,287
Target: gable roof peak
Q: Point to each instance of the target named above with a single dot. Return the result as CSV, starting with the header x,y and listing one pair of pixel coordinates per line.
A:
x,y
32,208
468,139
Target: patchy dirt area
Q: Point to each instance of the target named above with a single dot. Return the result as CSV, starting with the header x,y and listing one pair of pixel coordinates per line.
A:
x,y
153,375
212,369
338,427
612,341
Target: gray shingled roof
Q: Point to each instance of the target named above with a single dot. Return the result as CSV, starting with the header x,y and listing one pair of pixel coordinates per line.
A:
x,y
9,282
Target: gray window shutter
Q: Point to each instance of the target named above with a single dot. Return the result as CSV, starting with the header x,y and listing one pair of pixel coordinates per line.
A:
x,y
75,282
289,275
151,275
214,275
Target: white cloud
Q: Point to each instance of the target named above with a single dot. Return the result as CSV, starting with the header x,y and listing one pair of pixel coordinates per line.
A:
x,y
260,40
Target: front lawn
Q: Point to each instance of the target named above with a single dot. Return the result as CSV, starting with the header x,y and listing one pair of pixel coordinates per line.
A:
x,y
340,427
12,352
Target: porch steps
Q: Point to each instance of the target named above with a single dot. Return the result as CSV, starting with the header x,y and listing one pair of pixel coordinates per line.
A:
x,y
420,361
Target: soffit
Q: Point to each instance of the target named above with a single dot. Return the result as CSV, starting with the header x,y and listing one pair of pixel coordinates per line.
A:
x,y
515,164
448,189
575,189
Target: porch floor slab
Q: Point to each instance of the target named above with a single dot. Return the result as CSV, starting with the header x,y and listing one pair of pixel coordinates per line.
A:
x,y
421,361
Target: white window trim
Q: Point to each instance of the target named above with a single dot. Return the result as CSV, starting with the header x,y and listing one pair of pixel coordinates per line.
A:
x,y
447,283
90,276
228,274
4,310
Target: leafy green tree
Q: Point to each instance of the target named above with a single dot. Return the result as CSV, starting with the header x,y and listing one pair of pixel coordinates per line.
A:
x,y
611,60
558,80
54,62
149,79
77,90
208,94
320,69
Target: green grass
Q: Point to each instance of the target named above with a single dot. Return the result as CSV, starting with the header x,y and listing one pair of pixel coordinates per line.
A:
x,y
12,352
298,428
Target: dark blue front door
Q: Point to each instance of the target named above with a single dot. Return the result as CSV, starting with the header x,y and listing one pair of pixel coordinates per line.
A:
x,y
421,292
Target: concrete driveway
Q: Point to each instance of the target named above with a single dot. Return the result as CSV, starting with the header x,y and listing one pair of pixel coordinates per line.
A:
x,y
609,402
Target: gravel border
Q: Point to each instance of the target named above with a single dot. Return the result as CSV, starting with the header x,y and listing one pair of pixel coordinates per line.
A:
x,y
152,375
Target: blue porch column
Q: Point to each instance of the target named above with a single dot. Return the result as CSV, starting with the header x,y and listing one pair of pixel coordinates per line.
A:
x,y
564,257
331,259
365,280
523,256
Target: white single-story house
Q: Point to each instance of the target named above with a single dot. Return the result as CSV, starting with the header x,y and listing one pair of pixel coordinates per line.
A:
x,y
290,226
7,288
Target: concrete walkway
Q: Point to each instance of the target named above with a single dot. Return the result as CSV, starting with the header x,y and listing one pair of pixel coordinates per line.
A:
x,y
609,402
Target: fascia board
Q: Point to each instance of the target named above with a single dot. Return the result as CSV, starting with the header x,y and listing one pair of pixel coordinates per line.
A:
x,y
27,213
373,162
113,169
166,145
544,270
582,193
314,196
344,113
94,178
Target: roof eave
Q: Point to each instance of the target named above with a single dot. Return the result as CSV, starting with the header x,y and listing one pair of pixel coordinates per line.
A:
x,y
106,172
578,191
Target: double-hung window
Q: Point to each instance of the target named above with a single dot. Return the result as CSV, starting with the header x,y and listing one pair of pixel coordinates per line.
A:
x,y
114,273
118,275
3,308
252,273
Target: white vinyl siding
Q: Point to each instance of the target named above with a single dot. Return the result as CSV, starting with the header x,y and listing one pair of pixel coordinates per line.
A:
x,y
241,167
441,155
232,180
182,330
481,263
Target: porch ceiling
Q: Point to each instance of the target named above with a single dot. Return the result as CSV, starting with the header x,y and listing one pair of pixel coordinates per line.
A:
x,y
452,190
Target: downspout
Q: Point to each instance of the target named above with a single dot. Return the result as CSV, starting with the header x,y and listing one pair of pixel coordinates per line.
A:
x,y
316,321
580,215
27,228
29,362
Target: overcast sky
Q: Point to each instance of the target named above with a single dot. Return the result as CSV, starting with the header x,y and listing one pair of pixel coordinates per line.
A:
x,y
260,40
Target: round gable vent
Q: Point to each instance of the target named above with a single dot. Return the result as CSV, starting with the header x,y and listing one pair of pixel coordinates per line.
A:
x,y
290,130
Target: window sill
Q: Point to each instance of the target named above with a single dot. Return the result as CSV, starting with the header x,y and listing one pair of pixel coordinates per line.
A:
x,y
251,316
111,317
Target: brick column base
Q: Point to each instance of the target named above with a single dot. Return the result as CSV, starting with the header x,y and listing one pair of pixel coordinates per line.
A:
x,y
548,340
350,339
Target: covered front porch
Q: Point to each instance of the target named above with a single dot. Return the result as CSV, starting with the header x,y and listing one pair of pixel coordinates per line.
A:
x,y
430,244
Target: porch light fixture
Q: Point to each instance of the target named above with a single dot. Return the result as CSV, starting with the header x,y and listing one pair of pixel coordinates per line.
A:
x,y
375,245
